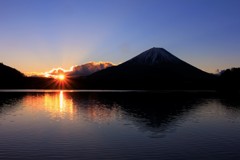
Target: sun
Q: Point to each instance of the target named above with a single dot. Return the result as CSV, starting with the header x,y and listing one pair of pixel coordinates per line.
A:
x,y
61,77
60,81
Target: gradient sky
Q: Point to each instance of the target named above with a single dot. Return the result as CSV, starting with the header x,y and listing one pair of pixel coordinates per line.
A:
x,y
38,35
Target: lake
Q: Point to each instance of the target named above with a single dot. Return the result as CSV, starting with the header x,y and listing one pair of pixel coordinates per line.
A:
x,y
118,125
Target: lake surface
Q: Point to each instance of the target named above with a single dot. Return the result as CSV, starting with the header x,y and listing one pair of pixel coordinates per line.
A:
x,y
119,125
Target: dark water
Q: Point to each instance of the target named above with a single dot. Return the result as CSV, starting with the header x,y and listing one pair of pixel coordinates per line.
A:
x,y
77,125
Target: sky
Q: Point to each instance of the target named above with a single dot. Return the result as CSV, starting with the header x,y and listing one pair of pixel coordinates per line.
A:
x,y
38,35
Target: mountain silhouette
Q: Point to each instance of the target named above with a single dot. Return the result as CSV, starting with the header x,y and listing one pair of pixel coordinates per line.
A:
x,y
155,68
7,72
153,56
10,77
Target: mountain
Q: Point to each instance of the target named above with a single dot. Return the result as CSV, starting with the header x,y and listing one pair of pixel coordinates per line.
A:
x,y
10,77
153,57
7,72
155,68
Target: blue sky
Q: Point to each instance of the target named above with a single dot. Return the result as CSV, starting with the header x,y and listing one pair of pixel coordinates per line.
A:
x,y
38,35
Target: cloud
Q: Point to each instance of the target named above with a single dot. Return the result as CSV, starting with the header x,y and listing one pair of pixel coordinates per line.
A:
x,y
79,70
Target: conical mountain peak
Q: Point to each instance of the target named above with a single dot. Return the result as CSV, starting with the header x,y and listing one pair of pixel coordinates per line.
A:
x,y
155,68
154,56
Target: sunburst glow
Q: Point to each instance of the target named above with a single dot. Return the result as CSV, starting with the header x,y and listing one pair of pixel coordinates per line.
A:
x,y
61,77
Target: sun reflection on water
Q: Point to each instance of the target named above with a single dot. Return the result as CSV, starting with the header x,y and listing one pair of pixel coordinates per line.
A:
x,y
58,105
61,99
62,105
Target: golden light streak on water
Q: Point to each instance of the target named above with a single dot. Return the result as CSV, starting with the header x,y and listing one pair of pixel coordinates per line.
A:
x,y
57,105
